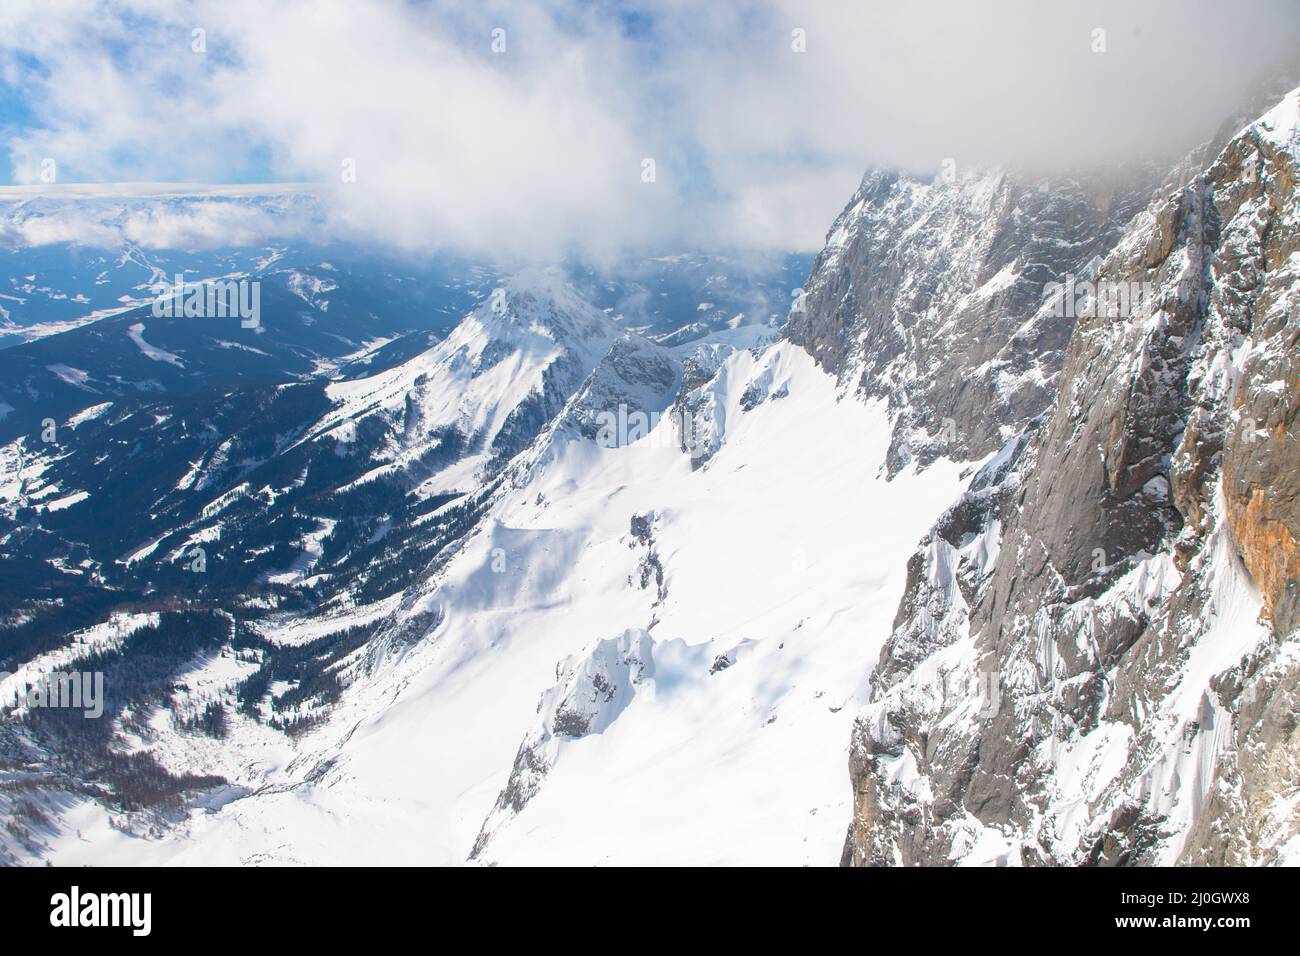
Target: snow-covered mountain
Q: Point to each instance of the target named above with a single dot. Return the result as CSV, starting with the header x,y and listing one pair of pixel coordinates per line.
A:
x,y
276,526
929,293
563,585
495,707
1124,573
1119,574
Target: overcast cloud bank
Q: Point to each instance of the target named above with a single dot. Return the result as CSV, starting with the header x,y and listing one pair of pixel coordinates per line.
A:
x,y
539,129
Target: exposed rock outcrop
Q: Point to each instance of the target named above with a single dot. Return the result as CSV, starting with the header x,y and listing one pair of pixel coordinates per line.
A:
x,y
590,692
1130,585
931,294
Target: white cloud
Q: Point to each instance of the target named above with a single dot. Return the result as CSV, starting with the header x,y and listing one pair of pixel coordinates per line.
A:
x,y
184,216
539,149
204,225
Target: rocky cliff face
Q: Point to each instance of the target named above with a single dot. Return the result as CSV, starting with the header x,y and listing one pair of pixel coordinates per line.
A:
x,y
930,294
1096,659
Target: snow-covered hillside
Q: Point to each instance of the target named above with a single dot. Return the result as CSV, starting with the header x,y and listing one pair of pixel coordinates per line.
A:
x,y
725,618
482,393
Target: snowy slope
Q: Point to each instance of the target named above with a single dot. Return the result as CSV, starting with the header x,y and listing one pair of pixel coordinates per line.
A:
x,y
783,555
483,392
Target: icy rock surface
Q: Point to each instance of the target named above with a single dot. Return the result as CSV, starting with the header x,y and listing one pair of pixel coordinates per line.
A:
x,y
931,294
1129,585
